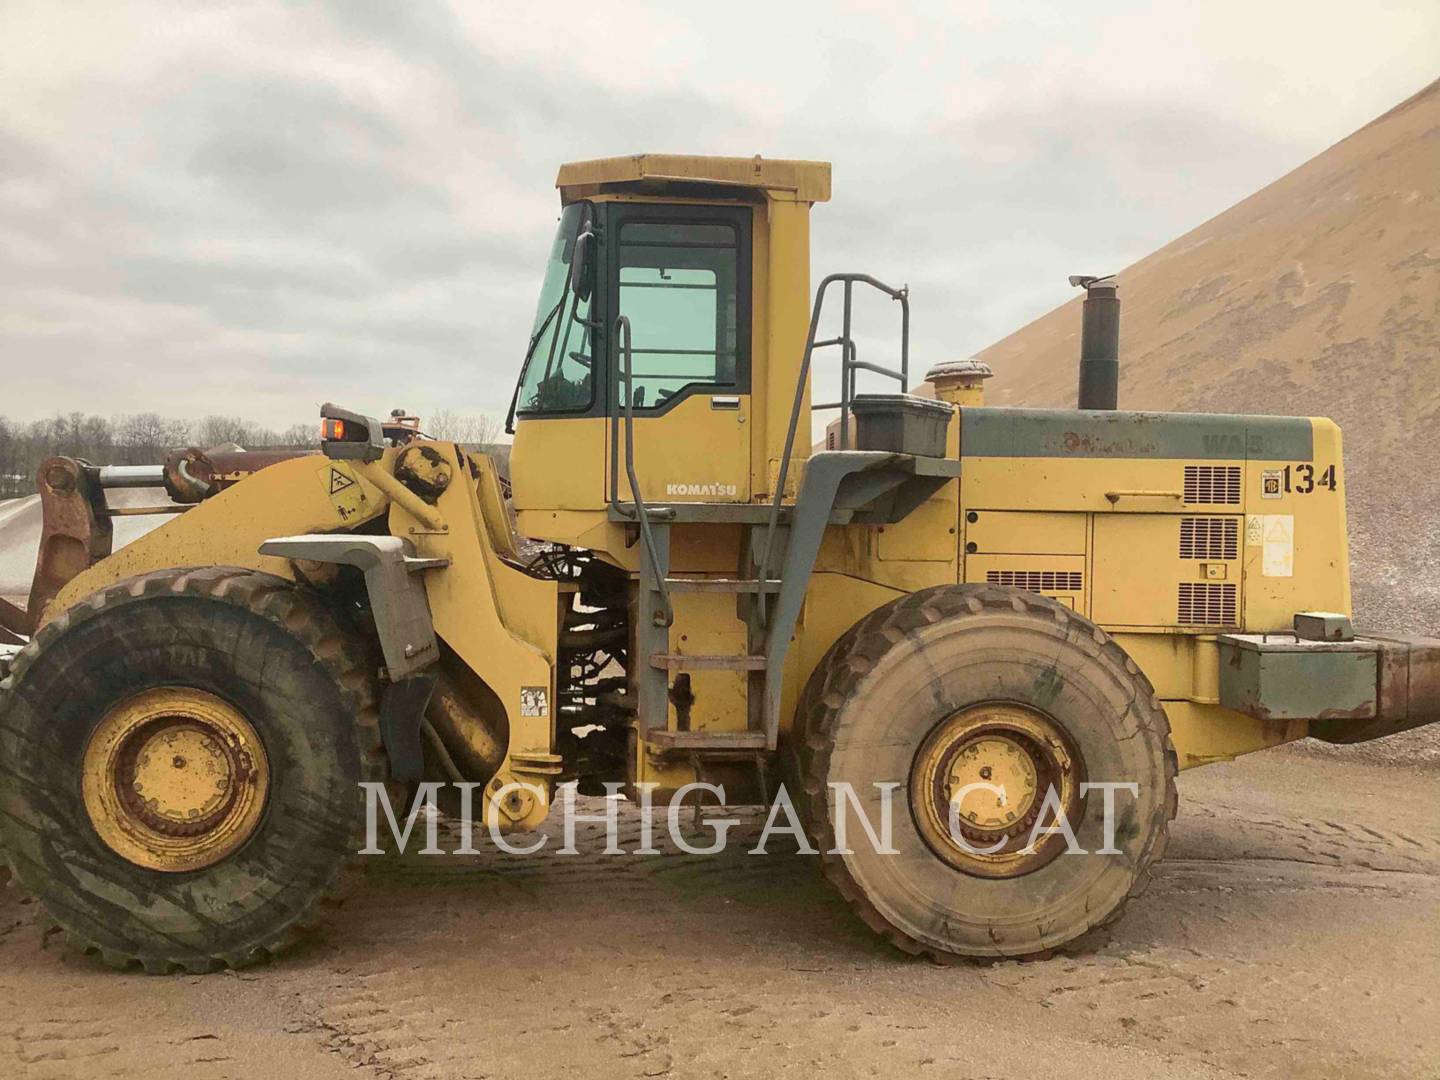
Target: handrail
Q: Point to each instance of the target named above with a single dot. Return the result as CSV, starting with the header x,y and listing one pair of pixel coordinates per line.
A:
x,y
848,365
664,612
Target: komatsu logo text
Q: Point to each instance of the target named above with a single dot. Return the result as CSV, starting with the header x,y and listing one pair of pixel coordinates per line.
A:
x,y
724,491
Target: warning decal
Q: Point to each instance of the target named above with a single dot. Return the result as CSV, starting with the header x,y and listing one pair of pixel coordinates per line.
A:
x,y
1277,558
338,480
346,494
534,701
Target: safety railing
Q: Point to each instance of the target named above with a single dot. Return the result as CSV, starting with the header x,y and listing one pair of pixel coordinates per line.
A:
x,y
850,366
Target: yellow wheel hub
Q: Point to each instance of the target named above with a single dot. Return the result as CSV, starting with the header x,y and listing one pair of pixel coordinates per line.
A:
x,y
979,788
994,779
175,779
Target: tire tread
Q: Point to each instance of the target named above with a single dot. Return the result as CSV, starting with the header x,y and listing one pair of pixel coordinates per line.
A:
x,y
857,652
307,618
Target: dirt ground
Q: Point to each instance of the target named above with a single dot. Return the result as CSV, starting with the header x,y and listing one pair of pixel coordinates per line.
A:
x,y
1293,931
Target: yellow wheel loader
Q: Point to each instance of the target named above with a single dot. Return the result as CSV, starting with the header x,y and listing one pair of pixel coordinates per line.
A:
x,y
1007,629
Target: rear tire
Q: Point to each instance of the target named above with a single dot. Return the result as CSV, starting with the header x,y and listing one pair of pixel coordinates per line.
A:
x,y
905,676
250,644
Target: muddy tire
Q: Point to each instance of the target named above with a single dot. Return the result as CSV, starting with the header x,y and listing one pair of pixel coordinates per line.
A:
x,y
872,712
251,644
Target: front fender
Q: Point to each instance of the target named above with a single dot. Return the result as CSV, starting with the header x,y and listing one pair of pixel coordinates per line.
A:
x,y
304,495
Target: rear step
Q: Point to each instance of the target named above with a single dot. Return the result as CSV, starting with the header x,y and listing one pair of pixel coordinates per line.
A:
x,y
722,585
707,740
682,662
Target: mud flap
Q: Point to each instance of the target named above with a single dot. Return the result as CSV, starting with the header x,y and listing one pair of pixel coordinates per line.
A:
x,y
402,710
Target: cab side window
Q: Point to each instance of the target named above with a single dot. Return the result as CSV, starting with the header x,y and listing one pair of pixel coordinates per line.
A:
x,y
680,285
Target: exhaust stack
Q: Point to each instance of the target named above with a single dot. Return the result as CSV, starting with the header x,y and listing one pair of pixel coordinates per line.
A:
x,y
1099,342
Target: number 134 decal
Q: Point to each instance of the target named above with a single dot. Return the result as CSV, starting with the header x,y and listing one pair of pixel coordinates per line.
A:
x,y
1301,479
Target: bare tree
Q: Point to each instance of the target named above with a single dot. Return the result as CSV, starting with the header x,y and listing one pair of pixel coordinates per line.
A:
x,y
300,435
98,437
219,430
13,481
457,427
145,438
77,435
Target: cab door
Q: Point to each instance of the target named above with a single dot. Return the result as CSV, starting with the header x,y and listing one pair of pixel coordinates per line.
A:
x,y
682,275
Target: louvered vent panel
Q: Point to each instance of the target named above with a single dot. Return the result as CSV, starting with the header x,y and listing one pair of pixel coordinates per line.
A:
x,y
1204,603
1212,484
1209,538
1038,580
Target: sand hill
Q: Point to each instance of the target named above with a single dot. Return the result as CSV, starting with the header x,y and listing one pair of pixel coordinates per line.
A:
x,y
1318,295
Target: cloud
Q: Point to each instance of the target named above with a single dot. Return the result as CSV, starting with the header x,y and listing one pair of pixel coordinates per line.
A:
x,y
254,207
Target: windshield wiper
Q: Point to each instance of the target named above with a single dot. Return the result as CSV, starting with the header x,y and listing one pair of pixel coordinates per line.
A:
x,y
525,363
544,325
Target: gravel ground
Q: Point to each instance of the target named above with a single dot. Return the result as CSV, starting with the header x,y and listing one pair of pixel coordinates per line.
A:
x,y
1291,932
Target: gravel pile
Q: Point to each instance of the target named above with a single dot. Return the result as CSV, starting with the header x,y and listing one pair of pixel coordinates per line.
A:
x,y
1316,296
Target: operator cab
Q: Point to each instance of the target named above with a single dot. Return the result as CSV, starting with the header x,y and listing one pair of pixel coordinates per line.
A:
x,y
680,274
707,261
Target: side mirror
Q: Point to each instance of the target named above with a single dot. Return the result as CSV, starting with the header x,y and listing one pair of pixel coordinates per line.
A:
x,y
580,265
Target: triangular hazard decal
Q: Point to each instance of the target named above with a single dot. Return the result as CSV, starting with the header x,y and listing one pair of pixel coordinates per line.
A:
x,y
339,481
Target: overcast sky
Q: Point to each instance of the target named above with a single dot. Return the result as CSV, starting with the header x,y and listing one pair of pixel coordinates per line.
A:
x,y
251,208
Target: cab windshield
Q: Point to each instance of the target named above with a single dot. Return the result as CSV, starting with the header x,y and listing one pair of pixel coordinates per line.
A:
x,y
558,372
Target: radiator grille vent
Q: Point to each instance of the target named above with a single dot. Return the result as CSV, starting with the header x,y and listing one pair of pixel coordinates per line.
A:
x,y
1038,580
1212,484
1203,603
1209,538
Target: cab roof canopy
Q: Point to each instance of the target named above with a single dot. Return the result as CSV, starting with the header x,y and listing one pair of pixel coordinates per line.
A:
x,y
790,181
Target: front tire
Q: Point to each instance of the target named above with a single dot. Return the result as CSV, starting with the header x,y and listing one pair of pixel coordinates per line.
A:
x,y
180,761
953,685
